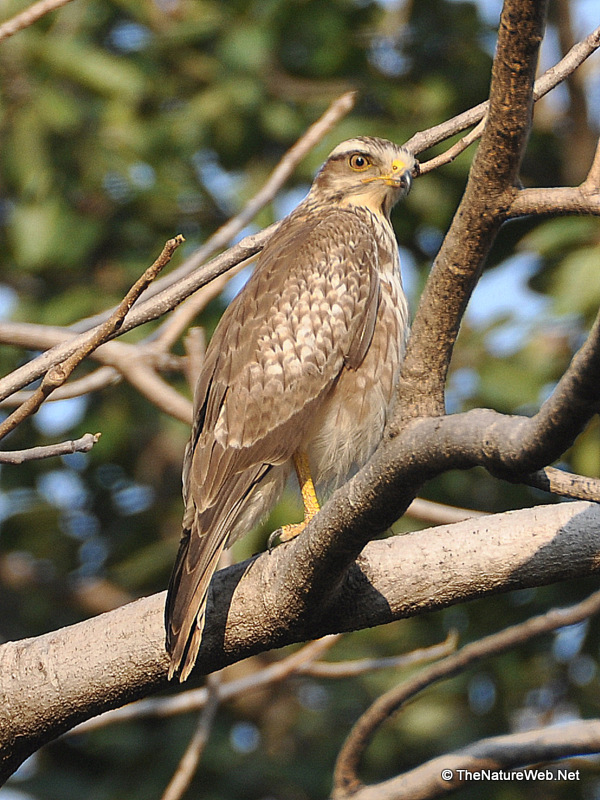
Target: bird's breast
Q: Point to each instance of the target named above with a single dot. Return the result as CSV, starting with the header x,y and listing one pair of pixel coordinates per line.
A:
x,y
349,424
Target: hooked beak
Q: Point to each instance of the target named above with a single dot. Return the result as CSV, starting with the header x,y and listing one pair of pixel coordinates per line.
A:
x,y
398,178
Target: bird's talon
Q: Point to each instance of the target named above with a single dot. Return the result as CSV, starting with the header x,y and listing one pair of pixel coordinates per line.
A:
x,y
285,534
271,540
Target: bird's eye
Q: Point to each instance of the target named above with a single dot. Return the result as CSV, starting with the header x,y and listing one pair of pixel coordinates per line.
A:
x,y
359,162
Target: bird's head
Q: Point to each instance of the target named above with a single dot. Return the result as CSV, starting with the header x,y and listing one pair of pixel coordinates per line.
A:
x,y
365,171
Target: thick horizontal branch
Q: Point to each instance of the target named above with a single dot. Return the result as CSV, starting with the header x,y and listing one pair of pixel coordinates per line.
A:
x,y
51,683
562,200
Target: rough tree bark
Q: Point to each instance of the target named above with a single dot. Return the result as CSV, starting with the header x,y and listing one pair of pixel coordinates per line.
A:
x,y
53,682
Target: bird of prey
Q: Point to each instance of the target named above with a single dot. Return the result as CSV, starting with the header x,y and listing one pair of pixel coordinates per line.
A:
x,y
299,373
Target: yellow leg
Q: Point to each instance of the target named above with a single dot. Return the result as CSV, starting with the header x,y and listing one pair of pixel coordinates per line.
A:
x,y
307,487
309,497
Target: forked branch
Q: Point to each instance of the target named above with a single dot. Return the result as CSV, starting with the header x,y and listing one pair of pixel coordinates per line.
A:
x,y
346,781
59,373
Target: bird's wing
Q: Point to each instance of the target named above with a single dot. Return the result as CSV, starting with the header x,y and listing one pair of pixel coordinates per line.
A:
x,y
308,310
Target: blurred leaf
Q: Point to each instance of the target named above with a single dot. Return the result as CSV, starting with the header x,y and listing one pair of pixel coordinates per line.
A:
x,y
92,68
246,48
557,236
49,234
577,282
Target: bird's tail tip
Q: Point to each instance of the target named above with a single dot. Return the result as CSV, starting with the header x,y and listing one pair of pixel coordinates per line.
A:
x,y
182,672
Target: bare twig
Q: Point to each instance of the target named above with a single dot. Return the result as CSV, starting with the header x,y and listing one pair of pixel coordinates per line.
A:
x,y
423,140
583,199
143,312
58,374
29,16
439,513
448,156
347,669
191,758
137,363
82,445
507,753
566,484
166,300
98,379
346,779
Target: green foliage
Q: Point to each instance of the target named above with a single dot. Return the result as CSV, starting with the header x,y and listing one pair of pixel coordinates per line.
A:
x,y
123,123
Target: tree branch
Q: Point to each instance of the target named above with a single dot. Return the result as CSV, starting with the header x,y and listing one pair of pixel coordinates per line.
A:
x,y
566,484
442,514
51,683
29,16
93,382
188,764
584,199
143,312
346,781
482,210
135,362
496,753
423,140
195,699
58,374
82,445
301,662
